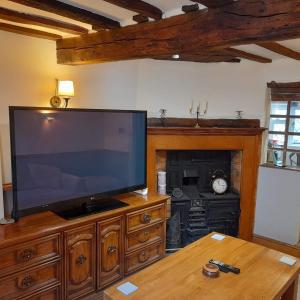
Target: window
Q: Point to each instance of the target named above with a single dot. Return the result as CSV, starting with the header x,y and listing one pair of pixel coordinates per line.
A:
x,y
284,124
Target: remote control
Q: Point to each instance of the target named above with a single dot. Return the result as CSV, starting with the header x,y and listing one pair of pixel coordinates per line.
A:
x,y
226,267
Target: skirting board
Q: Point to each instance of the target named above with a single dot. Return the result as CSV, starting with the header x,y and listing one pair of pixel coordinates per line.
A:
x,y
276,245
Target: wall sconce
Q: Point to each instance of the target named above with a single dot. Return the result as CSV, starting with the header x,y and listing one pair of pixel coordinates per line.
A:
x,y
65,90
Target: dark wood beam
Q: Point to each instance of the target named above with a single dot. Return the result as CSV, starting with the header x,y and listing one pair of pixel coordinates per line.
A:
x,y
29,32
247,55
280,49
201,58
139,7
243,22
214,3
69,11
18,17
189,8
140,19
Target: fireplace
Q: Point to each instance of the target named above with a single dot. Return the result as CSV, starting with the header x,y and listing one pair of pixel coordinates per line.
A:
x,y
244,145
195,209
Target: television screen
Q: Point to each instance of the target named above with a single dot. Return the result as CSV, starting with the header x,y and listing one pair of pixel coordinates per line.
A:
x,y
60,155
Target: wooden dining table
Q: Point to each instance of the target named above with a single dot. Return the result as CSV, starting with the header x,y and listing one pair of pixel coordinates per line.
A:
x,y
179,276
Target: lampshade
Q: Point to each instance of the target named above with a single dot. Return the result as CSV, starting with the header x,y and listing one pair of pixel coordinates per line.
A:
x,y
65,88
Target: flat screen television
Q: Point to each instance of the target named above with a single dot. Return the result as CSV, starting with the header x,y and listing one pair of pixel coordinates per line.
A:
x,y
72,161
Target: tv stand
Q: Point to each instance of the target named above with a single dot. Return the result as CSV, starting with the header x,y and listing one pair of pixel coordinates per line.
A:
x,y
86,209
43,256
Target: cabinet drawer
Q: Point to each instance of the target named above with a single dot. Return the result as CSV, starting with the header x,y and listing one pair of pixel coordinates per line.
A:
x,y
144,257
49,294
143,237
23,284
26,255
140,219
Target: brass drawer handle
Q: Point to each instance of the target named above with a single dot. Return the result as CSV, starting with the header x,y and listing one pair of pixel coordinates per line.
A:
x,y
81,260
143,257
144,237
146,218
112,250
27,255
27,282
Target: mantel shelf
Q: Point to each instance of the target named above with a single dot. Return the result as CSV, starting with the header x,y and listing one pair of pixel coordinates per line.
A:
x,y
204,131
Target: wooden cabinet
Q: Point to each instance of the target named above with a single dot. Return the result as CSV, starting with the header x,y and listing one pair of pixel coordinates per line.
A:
x,y
44,257
23,284
80,261
49,294
144,237
143,257
141,218
110,251
26,255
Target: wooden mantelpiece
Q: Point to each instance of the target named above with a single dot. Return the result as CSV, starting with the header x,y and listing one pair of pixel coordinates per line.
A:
x,y
247,140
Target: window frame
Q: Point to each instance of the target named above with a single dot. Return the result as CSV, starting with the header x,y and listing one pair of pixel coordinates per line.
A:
x,y
288,93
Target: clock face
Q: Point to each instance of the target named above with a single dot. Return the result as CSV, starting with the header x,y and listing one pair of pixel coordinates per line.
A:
x,y
219,185
55,101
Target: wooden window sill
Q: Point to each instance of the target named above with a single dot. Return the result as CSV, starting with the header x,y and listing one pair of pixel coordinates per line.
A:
x,y
270,165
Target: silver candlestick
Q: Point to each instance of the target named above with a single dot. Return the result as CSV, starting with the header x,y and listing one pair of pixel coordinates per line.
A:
x,y
198,113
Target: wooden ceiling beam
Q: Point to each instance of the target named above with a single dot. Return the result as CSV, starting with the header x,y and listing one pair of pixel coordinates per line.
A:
x,y
201,58
72,12
140,18
280,49
139,7
243,22
189,8
18,17
29,32
214,3
247,55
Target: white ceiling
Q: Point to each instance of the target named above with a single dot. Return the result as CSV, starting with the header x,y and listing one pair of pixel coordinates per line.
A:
x,y
169,7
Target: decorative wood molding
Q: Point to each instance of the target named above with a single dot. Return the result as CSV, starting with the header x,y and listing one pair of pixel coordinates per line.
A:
x,y
276,245
280,49
204,123
204,131
247,55
285,85
267,20
139,7
72,12
19,17
29,32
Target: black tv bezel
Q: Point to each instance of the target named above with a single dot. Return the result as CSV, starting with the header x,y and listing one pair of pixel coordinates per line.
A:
x,y
74,202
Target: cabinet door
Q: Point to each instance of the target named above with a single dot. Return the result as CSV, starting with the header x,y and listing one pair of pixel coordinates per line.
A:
x,y
111,251
80,261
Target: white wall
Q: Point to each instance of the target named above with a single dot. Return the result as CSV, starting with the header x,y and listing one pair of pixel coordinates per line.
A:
x,y
227,87
27,77
277,205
